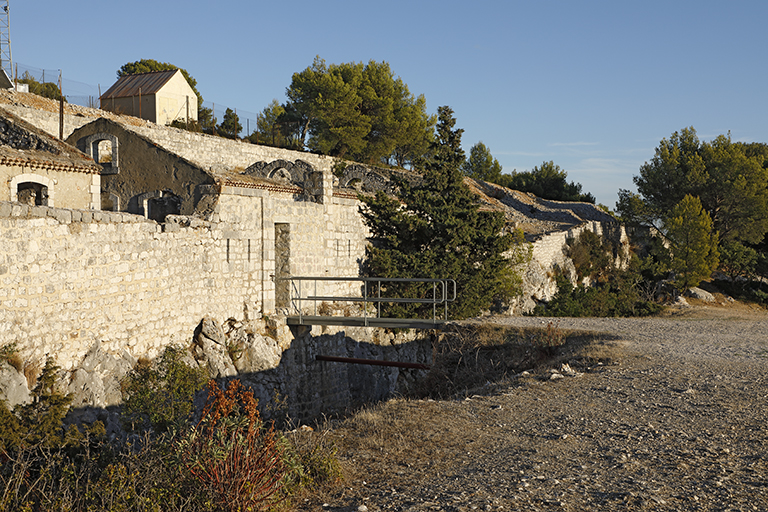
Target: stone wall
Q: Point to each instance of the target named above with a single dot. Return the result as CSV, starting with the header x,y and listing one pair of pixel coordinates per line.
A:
x,y
208,151
61,185
48,121
70,277
73,277
97,290
549,257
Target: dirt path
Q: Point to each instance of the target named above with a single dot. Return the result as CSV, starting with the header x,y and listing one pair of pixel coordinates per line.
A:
x,y
677,422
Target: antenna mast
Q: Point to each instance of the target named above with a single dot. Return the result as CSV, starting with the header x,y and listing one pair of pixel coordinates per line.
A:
x,y
6,62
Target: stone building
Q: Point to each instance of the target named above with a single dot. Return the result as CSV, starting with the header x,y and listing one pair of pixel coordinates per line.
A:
x,y
159,96
39,170
204,227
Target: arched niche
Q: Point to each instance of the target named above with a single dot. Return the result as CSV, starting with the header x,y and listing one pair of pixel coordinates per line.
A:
x,y
157,204
32,189
103,141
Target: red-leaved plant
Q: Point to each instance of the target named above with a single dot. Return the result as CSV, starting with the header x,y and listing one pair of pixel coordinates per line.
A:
x,y
232,452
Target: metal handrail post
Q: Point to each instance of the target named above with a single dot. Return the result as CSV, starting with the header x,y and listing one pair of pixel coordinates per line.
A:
x,y
434,302
445,297
301,310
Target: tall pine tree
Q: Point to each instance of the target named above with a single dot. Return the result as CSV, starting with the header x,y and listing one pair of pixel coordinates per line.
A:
x,y
436,230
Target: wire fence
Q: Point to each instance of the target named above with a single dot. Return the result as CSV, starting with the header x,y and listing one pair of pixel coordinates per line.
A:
x,y
87,95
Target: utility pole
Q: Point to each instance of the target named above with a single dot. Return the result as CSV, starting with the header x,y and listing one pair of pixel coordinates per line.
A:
x,y
6,62
61,109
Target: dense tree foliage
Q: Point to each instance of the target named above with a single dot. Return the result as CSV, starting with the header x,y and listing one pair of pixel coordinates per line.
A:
x,y
548,181
230,126
693,243
44,89
356,111
436,230
268,129
481,165
730,179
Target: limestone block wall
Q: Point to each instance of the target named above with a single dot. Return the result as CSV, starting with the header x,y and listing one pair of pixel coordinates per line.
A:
x,y
63,187
72,277
48,121
549,256
210,151
291,236
314,388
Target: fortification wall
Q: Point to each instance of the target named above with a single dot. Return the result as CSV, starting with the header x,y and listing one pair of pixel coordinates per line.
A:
x,y
208,151
549,257
48,121
73,277
70,277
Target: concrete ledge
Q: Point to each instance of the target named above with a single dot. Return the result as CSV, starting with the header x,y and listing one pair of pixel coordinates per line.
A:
x,y
354,321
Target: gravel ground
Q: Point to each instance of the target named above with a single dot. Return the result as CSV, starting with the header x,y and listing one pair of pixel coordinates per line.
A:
x,y
675,421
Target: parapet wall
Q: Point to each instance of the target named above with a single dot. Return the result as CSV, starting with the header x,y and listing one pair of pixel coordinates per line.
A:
x,y
549,257
72,277
208,151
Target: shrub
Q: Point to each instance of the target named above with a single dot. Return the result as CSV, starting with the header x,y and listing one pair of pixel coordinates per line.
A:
x,y
160,395
231,452
40,422
310,460
10,354
621,296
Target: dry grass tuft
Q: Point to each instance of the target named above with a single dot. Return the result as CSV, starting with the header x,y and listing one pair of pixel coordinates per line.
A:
x,y
32,370
468,356
10,354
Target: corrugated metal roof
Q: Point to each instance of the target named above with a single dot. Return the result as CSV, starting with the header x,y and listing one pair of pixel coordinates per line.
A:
x,y
129,85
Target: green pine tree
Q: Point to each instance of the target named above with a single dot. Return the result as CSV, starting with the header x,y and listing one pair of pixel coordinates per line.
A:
x,y
436,230
694,245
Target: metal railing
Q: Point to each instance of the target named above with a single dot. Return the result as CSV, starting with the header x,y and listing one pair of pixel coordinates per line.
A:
x,y
443,292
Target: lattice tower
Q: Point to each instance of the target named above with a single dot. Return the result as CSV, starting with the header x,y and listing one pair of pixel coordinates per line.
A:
x,y
6,62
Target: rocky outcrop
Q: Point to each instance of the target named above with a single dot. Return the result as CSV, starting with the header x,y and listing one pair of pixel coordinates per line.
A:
x,y
210,349
13,386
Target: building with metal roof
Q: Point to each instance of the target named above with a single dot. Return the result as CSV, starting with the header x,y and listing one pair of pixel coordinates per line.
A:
x,y
159,96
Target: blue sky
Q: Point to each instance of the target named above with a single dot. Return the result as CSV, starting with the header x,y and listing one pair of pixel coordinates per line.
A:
x,y
591,85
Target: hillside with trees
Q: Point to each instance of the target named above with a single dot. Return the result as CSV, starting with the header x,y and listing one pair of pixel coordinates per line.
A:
x,y
708,200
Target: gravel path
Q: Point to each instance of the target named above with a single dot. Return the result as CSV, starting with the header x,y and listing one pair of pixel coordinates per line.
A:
x,y
677,422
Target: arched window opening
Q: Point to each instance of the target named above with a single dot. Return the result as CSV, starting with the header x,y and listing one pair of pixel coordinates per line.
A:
x,y
33,194
110,202
104,151
102,147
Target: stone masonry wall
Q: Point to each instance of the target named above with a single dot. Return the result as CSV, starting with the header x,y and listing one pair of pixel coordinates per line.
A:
x,y
70,277
208,151
73,277
549,257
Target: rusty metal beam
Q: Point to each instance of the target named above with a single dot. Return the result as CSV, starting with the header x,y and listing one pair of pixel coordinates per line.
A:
x,y
374,362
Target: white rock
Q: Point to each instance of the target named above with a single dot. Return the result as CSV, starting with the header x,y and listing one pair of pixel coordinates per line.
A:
x,y
698,293
13,386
